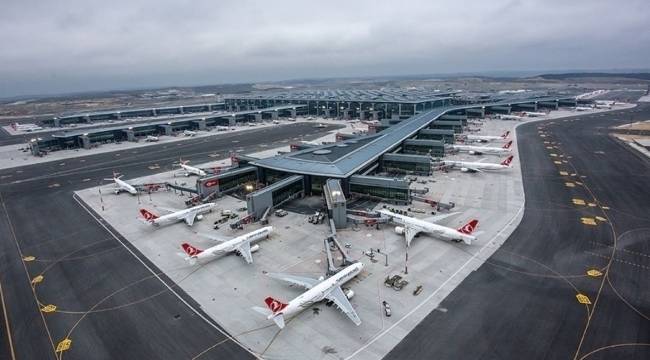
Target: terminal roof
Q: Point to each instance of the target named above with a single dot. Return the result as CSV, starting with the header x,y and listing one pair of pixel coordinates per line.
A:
x,y
342,159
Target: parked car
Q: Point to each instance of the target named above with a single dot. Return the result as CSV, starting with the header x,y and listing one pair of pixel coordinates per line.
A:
x,y
387,310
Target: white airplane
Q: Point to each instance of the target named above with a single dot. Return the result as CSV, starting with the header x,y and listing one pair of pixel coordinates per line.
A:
x,y
534,114
121,185
240,245
509,117
151,138
187,215
485,138
480,150
473,167
606,102
583,108
189,133
412,226
317,290
191,170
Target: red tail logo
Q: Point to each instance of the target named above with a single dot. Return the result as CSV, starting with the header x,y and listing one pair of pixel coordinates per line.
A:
x,y
191,250
275,305
505,134
147,215
507,161
507,145
469,227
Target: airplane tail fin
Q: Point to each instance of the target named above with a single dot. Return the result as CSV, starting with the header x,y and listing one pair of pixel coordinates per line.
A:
x,y
507,161
507,145
148,215
505,134
191,250
274,305
468,228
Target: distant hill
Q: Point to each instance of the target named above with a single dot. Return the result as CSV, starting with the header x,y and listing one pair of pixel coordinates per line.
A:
x,y
640,76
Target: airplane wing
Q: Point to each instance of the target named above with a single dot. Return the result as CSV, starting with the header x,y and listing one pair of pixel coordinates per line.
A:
x,y
212,237
171,210
337,296
437,218
189,218
409,234
301,281
245,251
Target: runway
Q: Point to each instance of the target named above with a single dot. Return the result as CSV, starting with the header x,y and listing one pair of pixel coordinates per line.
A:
x,y
522,303
109,303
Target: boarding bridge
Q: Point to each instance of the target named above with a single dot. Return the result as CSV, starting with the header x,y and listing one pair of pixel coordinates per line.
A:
x,y
275,195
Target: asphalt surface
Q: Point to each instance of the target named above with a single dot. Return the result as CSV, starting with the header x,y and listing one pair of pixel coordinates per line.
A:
x,y
522,304
110,303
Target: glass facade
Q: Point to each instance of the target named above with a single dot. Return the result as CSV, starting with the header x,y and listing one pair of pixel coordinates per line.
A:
x,y
381,192
401,167
234,181
287,192
424,150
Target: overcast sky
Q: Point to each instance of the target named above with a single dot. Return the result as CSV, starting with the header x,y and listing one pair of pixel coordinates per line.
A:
x,y
65,46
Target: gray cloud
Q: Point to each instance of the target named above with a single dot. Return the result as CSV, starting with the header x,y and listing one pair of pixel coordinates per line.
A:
x,y
52,47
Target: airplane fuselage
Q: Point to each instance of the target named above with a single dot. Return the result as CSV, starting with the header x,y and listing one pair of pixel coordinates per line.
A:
x,y
232,245
182,214
439,231
191,170
481,149
474,165
319,291
124,186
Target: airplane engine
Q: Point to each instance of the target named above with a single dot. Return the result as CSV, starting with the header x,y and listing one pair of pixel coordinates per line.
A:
x,y
117,192
399,230
349,293
199,217
472,152
467,170
254,248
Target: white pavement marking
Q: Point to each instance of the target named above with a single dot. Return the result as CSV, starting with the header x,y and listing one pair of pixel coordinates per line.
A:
x,y
83,206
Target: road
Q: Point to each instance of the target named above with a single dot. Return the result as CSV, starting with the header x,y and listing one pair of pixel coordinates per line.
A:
x,y
109,303
522,303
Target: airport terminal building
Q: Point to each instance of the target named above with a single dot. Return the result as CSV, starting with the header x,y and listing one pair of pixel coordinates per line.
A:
x,y
409,129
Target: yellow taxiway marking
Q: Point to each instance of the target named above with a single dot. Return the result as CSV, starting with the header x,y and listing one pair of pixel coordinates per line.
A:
x,y
37,279
569,184
48,308
63,345
594,273
592,205
29,258
600,218
583,299
588,221
578,201
557,162
564,173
